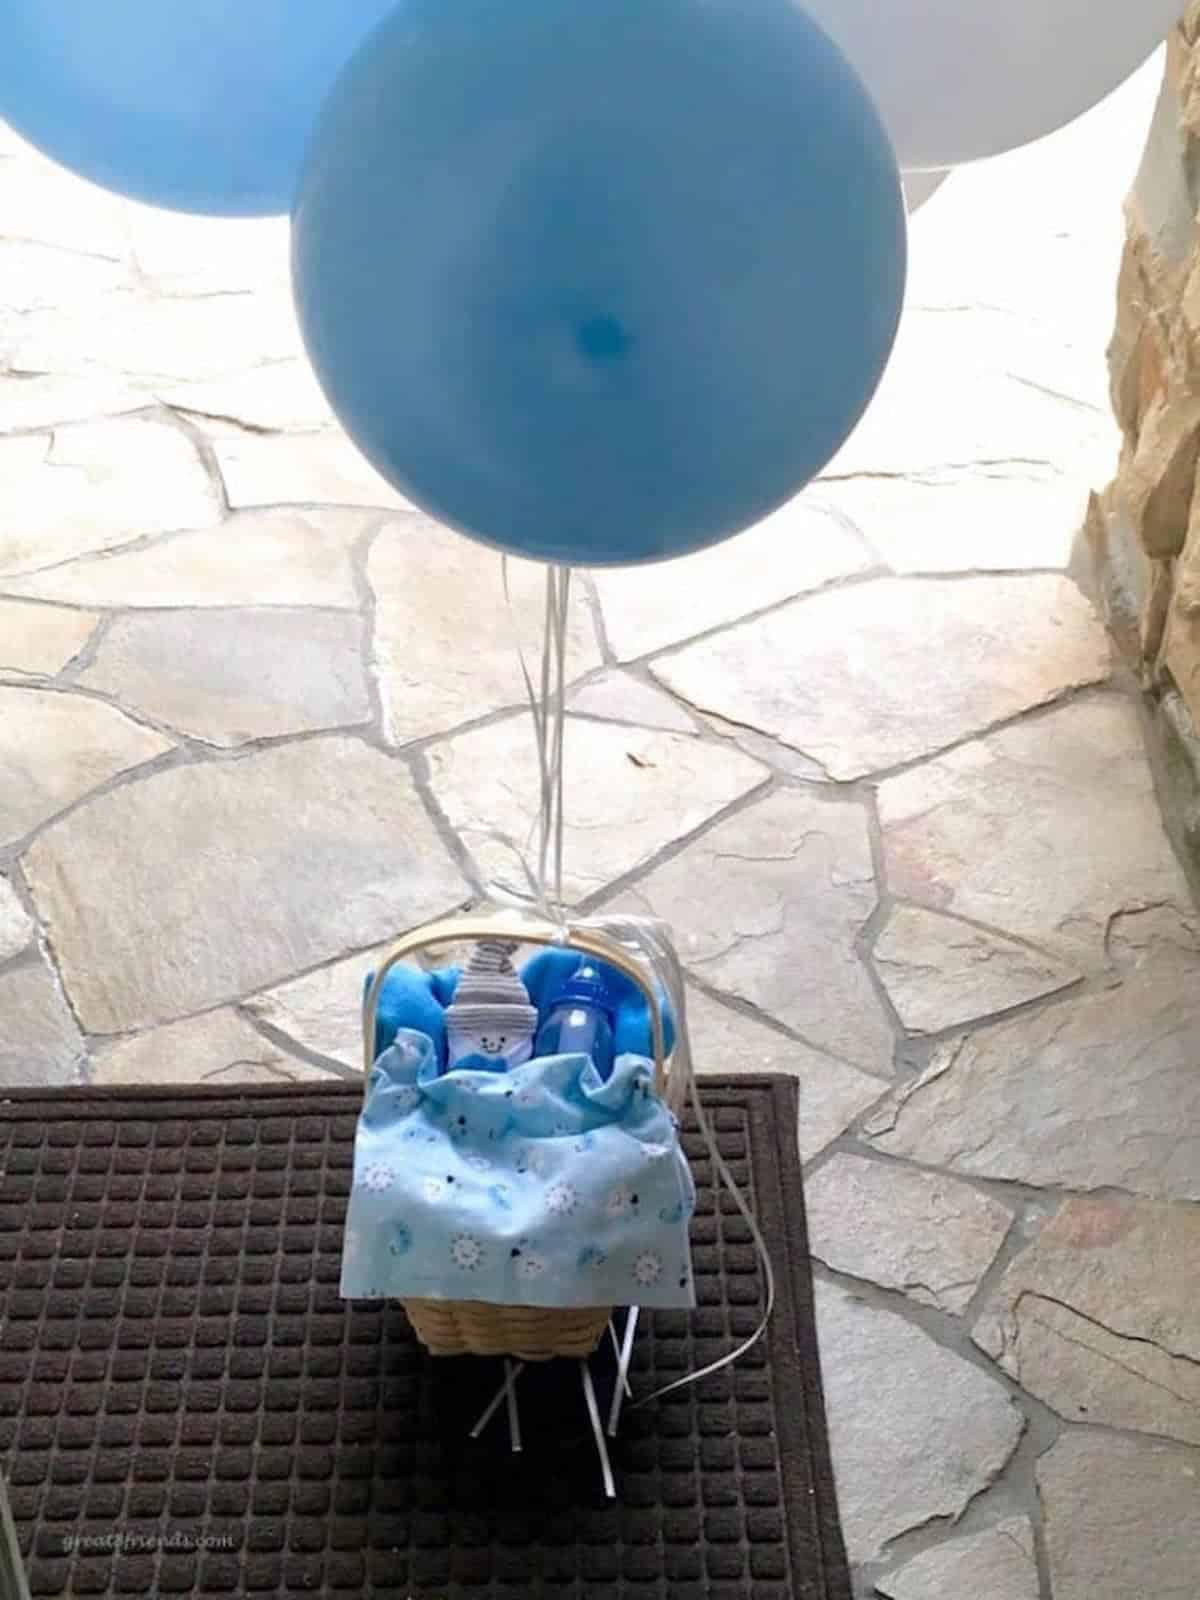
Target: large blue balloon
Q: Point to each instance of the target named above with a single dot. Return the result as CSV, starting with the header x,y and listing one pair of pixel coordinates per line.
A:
x,y
199,105
601,282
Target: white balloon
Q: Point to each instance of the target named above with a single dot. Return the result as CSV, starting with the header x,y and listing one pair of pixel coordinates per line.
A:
x,y
921,186
956,80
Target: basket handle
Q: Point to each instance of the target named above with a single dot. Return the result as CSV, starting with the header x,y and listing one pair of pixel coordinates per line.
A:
x,y
524,929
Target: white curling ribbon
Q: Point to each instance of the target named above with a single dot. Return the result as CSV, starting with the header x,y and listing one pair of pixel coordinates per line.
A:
x,y
644,937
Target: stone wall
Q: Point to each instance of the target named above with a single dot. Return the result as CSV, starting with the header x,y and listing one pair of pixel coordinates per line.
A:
x,y
1143,531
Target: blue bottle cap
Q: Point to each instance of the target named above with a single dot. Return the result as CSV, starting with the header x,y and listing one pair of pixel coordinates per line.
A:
x,y
588,987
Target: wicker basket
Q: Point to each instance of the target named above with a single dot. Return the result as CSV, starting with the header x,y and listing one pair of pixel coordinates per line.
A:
x,y
528,1333
476,1327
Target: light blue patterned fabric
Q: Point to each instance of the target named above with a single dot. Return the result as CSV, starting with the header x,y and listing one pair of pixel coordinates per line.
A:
x,y
541,1186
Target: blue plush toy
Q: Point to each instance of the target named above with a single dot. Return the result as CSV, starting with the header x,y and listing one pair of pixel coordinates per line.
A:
x,y
412,998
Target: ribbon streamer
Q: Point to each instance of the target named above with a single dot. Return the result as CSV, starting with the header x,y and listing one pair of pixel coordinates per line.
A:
x,y
646,937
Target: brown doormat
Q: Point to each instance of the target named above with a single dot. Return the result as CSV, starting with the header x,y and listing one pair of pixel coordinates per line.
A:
x,y
187,1408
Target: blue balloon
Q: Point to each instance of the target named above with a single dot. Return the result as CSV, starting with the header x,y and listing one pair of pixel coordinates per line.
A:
x,y
599,283
198,105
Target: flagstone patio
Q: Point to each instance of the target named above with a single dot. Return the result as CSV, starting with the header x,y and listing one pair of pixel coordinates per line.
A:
x,y
871,760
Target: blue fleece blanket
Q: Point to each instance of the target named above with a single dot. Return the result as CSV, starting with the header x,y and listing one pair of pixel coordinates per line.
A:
x,y
540,1186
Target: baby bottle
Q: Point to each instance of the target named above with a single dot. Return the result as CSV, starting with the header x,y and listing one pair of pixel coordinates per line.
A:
x,y
581,1021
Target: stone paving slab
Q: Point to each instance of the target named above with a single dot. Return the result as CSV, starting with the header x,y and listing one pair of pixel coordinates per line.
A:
x,y
926,1235
1006,517
798,549
1098,1091
942,973
35,276
793,878
322,1010
1122,1517
998,1564
872,676
16,925
172,253
157,341
280,396
901,1456
1044,830
1099,1316
620,697
284,557
1008,424
832,1094
244,871
215,1048
229,677
447,630
55,748
40,1042
630,794
39,641
319,468
45,204
95,486
40,402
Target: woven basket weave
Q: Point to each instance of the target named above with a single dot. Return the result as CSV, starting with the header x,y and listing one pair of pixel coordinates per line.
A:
x,y
477,1327
527,1333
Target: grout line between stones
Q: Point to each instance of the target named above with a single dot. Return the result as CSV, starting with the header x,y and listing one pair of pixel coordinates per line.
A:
x,y
20,887
836,513
900,901
84,1067
203,447
865,939
1013,1483
146,541
1074,989
872,779
920,475
83,658
185,753
843,580
781,758
294,1047
88,558
627,882
116,612
742,1007
1031,1204
360,558
1100,689
591,597
42,602
418,766
193,743
53,244
28,956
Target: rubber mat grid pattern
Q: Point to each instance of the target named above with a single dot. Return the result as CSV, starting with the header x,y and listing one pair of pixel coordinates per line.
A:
x,y
188,1408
